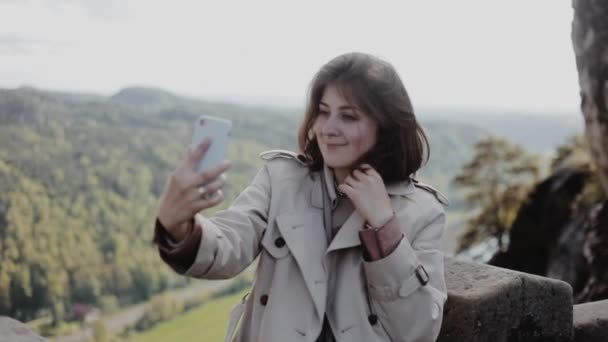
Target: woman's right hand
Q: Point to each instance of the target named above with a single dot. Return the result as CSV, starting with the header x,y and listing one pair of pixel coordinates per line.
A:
x,y
187,192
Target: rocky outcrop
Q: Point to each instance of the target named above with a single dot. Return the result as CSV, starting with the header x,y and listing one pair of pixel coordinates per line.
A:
x,y
487,303
590,43
591,322
540,222
15,331
555,237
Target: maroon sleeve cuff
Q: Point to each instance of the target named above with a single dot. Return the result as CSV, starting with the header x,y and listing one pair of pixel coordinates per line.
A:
x,y
180,256
379,243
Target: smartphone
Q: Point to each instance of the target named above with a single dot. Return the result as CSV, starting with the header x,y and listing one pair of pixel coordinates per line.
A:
x,y
218,130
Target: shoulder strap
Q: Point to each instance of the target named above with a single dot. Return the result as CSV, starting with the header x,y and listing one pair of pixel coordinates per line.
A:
x,y
438,195
273,154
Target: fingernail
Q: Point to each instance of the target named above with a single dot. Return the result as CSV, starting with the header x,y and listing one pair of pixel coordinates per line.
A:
x,y
204,142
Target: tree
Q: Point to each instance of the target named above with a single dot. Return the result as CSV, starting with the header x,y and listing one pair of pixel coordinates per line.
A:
x,y
590,42
498,178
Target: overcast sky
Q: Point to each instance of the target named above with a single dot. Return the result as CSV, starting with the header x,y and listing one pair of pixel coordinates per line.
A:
x,y
501,54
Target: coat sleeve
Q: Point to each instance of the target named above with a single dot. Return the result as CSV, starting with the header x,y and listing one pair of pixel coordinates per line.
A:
x,y
231,238
407,288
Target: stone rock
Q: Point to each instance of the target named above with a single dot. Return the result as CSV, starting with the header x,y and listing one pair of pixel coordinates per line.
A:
x,y
487,303
596,253
15,331
591,322
539,223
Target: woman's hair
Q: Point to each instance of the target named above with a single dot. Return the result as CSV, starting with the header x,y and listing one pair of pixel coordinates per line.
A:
x,y
374,87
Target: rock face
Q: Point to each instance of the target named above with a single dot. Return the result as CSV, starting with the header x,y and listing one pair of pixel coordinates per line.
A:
x,y
488,303
539,223
595,251
591,322
15,331
590,43
553,238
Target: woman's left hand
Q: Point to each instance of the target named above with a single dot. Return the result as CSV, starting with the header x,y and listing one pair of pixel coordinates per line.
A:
x,y
366,189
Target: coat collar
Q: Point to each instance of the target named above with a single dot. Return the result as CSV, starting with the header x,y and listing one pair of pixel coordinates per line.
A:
x,y
403,188
348,235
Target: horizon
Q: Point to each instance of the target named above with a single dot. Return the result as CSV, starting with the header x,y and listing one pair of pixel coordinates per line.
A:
x,y
435,111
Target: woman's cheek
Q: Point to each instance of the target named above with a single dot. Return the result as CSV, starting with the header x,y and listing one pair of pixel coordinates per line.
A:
x,y
360,140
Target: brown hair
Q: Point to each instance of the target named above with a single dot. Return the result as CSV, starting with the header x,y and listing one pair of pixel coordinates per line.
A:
x,y
373,86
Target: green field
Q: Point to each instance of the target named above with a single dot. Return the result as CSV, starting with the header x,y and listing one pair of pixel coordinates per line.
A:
x,y
207,323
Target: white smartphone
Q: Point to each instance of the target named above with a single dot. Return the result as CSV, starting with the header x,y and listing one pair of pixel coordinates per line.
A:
x,y
218,130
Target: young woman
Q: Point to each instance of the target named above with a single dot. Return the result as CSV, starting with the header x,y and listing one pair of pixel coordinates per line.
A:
x,y
349,242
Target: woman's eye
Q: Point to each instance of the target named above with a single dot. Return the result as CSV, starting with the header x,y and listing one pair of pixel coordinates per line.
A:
x,y
349,117
323,112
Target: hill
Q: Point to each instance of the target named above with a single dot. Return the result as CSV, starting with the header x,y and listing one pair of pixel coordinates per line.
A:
x,y
80,176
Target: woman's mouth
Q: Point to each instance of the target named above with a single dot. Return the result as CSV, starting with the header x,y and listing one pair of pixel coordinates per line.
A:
x,y
332,146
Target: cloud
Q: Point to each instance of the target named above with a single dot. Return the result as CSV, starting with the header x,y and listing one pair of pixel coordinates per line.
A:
x,y
95,9
16,45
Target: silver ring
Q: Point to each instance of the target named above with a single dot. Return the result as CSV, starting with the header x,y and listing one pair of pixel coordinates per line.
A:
x,y
202,190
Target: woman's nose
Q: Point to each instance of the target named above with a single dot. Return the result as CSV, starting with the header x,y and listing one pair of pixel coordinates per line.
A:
x,y
329,127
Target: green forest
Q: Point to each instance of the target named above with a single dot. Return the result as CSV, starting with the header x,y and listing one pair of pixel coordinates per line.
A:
x,y
80,176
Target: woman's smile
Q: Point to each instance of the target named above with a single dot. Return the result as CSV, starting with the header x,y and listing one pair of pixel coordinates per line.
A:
x,y
334,146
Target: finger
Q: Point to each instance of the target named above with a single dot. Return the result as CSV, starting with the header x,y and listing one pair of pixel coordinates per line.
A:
x,y
358,174
369,170
350,181
214,186
347,189
212,173
365,168
199,151
214,200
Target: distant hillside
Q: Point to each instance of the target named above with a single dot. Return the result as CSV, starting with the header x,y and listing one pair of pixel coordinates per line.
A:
x,y
450,141
536,132
142,96
80,177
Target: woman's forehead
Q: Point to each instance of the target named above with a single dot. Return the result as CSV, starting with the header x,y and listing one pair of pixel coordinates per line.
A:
x,y
340,95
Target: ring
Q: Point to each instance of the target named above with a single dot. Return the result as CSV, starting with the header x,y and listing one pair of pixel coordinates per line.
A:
x,y
202,190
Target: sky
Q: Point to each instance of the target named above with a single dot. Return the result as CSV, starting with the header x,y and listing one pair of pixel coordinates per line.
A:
x,y
450,54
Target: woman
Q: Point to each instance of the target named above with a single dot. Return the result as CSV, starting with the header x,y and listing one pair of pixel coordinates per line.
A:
x,y
349,243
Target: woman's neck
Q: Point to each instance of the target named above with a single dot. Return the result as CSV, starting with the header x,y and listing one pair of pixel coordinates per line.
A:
x,y
340,175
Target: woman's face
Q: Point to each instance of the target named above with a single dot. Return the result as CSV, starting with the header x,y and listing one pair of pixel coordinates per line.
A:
x,y
343,132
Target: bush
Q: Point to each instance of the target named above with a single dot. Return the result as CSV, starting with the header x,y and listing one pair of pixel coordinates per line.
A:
x,y
197,301
108,304
162,308
101,332
239,284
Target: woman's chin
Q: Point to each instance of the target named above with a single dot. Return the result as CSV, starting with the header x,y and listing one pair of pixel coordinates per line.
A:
x,y
336,163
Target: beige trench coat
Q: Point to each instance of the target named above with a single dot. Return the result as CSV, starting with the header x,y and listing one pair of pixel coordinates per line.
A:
x,y
279,217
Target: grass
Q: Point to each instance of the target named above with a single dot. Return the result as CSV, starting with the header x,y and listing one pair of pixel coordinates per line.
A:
x,y
42,326
207,323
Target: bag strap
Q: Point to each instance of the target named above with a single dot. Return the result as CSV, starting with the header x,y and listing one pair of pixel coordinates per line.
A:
x,y
234,321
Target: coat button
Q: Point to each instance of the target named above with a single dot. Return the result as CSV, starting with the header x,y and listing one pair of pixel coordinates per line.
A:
x,y
373,319
264,300
279,242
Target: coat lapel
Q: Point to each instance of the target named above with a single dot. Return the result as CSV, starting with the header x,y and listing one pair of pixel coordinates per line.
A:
x,y
316,191
305,237
348,235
